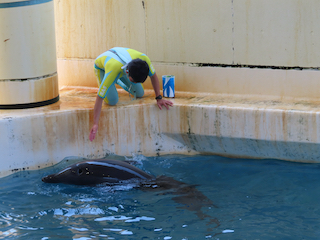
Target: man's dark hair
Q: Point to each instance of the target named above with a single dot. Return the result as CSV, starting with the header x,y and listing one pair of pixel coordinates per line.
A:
x,y
138,70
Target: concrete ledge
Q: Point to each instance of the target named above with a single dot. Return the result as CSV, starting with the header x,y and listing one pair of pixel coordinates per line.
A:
x,y
234,126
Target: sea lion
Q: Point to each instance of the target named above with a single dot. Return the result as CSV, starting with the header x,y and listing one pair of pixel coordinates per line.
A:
x,y
110,171
97,171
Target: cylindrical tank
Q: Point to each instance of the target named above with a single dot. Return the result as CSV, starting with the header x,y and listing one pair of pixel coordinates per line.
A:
x,y
28,65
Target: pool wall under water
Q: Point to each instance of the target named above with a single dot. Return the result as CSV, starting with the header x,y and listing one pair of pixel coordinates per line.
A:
x,y
197,124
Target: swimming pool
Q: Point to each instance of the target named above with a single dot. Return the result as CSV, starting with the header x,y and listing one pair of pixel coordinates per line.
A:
x,y
245,199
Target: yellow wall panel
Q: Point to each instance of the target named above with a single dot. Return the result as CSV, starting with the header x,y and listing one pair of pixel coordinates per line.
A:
x,y
264,83
76,72
85,28
277,33
189,31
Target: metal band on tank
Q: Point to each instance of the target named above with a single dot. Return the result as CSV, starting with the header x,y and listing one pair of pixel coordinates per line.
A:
x,y
23,3
29,105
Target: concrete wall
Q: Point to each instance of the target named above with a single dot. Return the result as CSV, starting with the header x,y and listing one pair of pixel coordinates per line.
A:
x,y
197,124
218,46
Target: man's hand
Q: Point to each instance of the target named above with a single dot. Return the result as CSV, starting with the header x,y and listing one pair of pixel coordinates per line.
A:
x,y
96,116
93,132
163,102
160,102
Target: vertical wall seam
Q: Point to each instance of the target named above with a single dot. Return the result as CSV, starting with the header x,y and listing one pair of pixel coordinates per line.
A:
x,y
232,14
144,5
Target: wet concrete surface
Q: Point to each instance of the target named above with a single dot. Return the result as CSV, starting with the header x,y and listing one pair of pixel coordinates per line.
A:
x,y
83,98
228,125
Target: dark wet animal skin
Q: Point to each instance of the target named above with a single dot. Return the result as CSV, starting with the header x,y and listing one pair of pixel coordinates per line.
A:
x,y
110,171
97,171
187,195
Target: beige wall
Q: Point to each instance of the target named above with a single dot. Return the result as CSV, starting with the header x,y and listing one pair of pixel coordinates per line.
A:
x,y
177,35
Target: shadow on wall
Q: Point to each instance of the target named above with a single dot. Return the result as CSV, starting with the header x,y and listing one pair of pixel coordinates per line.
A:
x,y
307,152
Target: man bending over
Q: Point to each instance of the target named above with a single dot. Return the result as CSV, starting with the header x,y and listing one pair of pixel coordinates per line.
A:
x,y
129,69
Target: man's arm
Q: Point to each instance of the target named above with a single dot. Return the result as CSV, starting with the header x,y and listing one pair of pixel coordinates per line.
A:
x,y
156,88
96,116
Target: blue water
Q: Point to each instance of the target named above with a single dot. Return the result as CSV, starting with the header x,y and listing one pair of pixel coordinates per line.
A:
x,y
250,199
